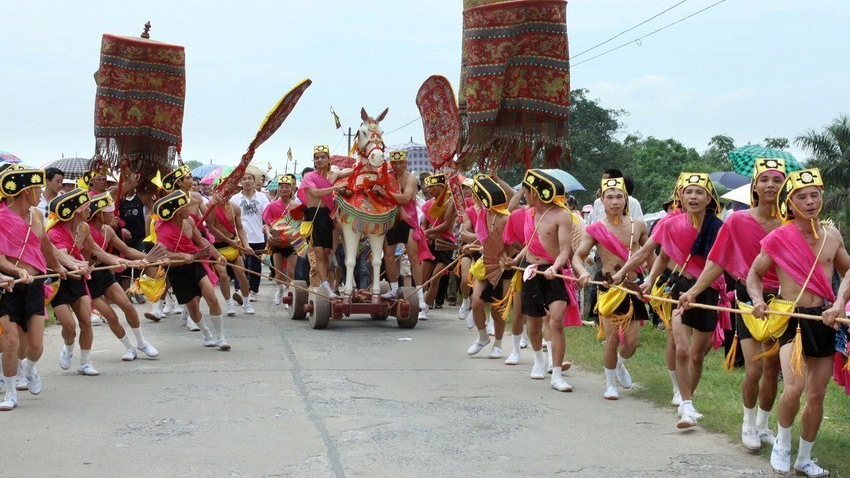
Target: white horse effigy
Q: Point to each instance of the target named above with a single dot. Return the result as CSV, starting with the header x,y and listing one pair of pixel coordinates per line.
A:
x,y
365,207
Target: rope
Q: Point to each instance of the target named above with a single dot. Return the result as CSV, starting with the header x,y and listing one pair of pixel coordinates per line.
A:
x,y
436,275
697,305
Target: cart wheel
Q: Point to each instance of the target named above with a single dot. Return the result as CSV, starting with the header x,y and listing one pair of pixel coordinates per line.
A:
x,y
321,315
299,300
412,318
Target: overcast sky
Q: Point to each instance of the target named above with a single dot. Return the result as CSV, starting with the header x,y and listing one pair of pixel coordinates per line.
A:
x,y
745,68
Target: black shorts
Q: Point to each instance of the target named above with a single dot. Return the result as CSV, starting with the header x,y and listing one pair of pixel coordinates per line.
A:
x,y
99,282
24,302
703,320
495,293
69,291
323,227
399,233
286,251
440,257
539,292
640,312
818,339
186,281
742,295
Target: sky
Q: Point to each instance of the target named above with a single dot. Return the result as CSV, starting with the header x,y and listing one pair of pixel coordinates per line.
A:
x,y
748,69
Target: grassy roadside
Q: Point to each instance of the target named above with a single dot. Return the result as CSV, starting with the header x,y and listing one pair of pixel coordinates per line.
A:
x,y
718,395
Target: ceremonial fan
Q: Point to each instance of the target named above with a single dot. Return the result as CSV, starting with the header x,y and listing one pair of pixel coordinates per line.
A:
x,y
494,256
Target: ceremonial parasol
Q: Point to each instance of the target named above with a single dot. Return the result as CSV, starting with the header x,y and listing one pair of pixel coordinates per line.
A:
x,y
744,159
729,179
72,168
202,171
568,180
9,157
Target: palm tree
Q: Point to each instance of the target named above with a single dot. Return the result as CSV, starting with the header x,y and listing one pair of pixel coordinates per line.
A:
x,y
830,150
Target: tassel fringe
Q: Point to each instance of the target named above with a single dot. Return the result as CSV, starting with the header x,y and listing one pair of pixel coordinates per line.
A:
x,y
773,350
798,363
732,355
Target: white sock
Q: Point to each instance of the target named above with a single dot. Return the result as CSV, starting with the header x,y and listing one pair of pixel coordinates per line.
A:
x,y
556,374
620,360
549,349
675,381
20,365
482,336
218,326
140,339
394,288
783,437
497,343
540,358
203,326
688,406
610,377
85,357
749,417
11,391
29,367
761,418
69,349
516,340
804,451
126,341
465,303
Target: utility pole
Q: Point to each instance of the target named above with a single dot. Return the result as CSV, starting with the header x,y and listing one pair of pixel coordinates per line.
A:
x,y
349,136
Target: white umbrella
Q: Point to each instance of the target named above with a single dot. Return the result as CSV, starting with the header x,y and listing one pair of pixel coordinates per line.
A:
x,y
740,194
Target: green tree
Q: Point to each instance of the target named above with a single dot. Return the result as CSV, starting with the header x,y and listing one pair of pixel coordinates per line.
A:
x,y
830,150
718,149
193,164
657,164
777,143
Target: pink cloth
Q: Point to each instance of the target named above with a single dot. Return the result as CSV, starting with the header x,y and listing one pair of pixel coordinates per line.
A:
x,y
447,234
222,217
273,211
790,251
609,241
62,238
12,236
482,231
98,238
168,233
738,245
316,181
514,231
410,215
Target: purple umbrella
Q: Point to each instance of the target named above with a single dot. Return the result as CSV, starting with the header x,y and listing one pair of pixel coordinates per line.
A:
x,y
9,157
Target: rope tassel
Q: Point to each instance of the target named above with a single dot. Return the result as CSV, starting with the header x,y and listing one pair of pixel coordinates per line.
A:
x,y
732,355
798,363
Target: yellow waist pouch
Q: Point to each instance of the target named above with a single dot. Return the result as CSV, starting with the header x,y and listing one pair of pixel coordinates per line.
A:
x,y
230,253
478,270
608,301
771,327
306,229
152,287
663,309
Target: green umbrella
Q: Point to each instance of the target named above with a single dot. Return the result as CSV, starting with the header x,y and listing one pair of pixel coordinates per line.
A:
x,y
744,159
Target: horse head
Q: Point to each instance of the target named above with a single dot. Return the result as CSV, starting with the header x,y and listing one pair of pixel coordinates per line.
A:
x,y
370,142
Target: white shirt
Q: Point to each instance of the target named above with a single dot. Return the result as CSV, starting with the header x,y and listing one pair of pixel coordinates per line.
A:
x,y
598,212
252,215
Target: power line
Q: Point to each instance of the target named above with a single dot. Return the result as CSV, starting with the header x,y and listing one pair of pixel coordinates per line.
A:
x,y
404,125
630,29
637,40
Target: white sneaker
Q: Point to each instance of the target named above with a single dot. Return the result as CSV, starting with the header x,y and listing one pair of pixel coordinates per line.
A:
x,y
34,383
750,438
21,380
476,347
809,468
209,342
326,288
96,318
87,369
129,355
780,459
191,325
491,329
9,402
248,308
149,350
278,296
561,385
65,359
423,311
390,294
687,421
222,345
168,308
231,307
677,399
464,310
623,376
611,393
495,353
523,343
538,370
512,359
252,297
766,436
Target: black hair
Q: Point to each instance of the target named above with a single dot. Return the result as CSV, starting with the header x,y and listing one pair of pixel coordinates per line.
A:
x,y
306,170
51,173
630,184
613,173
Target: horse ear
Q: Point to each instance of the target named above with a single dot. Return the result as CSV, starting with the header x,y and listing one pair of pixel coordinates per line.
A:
x,y
382,115
363,115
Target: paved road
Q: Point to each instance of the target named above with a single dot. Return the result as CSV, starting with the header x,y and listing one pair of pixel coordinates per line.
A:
x,y
353,400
